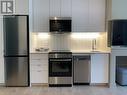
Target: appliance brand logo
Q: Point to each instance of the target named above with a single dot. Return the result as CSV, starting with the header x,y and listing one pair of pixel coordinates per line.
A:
x,y
7,7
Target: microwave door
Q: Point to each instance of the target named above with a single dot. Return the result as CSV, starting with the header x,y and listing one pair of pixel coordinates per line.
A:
x,y
60,26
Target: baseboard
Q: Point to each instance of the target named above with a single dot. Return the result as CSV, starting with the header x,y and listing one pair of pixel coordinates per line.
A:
x,y
2,85
39,84
60,85
99,84
81,83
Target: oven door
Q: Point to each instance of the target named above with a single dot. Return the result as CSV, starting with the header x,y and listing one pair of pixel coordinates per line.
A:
x,y
60,67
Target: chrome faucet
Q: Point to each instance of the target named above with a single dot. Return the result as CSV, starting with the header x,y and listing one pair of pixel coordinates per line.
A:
x,y
94,44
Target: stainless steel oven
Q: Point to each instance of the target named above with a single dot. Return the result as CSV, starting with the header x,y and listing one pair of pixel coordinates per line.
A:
x,y
60,69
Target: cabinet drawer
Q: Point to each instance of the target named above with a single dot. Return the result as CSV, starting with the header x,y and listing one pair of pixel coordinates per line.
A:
x,y
39,67
32,62
39,63
40,76
38,56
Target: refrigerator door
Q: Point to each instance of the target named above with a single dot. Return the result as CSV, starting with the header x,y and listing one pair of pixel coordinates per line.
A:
x,y
16,71
15,35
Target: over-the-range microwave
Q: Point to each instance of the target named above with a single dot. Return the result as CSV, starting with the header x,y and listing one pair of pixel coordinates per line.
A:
x,y
60,24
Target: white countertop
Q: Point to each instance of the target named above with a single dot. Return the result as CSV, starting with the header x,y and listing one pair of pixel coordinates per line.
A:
x,y
91,52
38,52
74,52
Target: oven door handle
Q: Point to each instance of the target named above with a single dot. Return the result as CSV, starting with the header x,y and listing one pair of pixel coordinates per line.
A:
x,y
60,60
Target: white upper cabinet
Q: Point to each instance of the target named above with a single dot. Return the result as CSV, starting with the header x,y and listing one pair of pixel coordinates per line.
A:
x,y
88,15
40,15
55,8
97,15
22,7
80,15
66,8
60,8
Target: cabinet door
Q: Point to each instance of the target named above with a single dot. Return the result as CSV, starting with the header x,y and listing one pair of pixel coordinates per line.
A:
x,y
99,68
66,8
39,76
88,15
80,15
40,15
97,15
22,7
55,8
60,8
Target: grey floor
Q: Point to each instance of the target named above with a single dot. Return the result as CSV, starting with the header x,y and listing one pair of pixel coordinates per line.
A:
x,y
78,90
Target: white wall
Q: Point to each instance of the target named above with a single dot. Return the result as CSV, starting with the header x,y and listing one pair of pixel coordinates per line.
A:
x,y
21,6
119,9
116,9
1,52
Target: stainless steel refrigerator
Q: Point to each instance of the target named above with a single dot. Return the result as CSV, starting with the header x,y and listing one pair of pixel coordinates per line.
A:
x,y
16,50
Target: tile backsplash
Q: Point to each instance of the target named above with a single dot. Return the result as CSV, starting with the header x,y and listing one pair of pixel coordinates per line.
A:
x,y
60,42
36,41
66,42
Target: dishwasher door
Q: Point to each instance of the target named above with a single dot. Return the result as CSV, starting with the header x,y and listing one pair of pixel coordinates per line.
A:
x,y
81,74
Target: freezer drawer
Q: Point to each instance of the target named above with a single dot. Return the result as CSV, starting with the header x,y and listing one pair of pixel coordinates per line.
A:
x,y
16,71
81,69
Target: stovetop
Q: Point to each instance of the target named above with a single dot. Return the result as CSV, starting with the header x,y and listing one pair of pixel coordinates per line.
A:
x,y
60,54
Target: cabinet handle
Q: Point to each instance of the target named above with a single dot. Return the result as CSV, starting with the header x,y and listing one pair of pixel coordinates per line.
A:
x,y
39,71
36,59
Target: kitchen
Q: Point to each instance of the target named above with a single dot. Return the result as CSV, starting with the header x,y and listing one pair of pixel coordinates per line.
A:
x,y
69,41
87,38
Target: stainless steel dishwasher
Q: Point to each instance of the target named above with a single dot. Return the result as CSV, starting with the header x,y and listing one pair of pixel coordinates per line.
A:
x,y
81,69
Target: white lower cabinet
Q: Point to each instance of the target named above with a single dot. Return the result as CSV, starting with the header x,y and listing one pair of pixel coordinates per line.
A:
x,y
99,68
39,68
39,76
